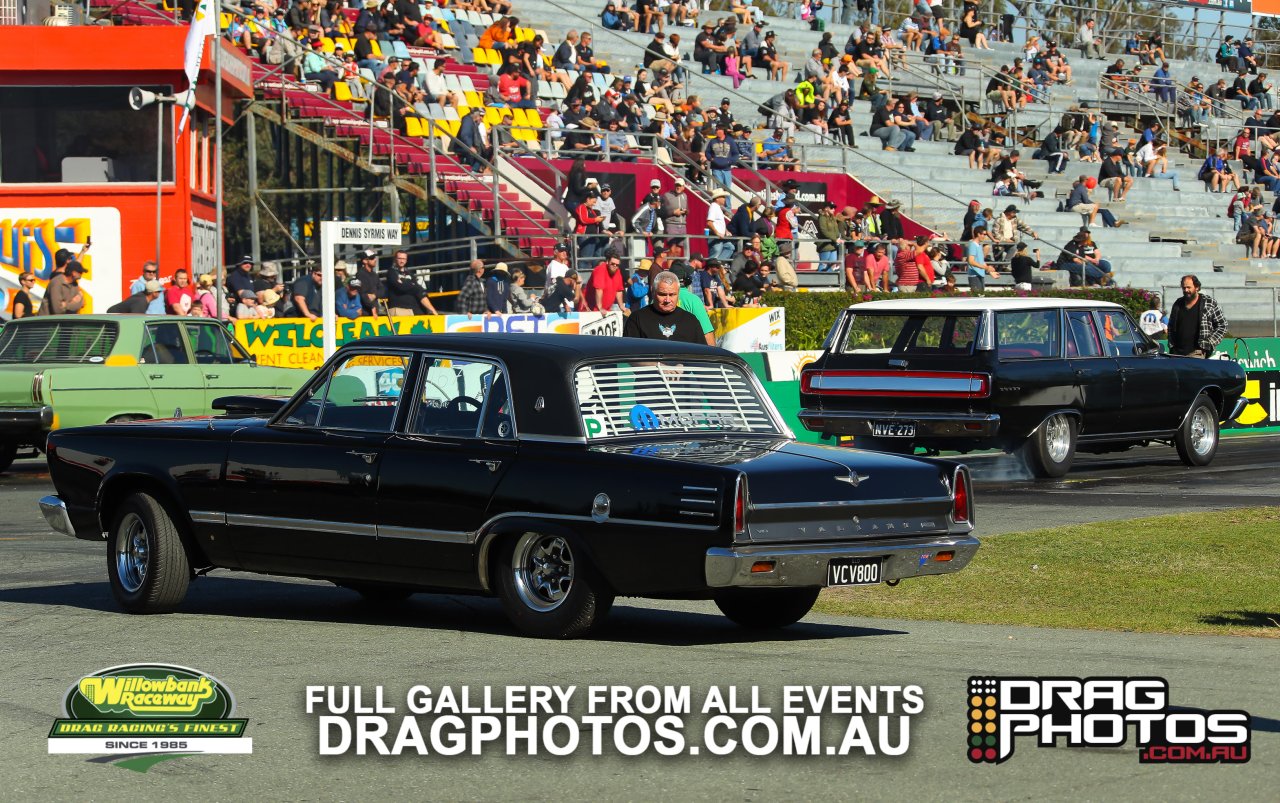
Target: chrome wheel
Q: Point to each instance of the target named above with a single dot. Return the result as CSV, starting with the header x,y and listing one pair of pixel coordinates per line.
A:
x,y
1057,438
1204,432
132,553
542,566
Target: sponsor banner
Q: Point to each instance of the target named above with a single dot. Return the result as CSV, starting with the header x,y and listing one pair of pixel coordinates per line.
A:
x,y
750,328
785,366
29,238
148,708
1262,389
298,342
1254,353
1266,7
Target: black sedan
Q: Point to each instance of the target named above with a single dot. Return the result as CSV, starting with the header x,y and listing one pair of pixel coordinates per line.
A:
x,y
556,472
1043,376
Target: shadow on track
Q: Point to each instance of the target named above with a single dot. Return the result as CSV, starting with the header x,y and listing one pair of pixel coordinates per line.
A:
x,y
306,602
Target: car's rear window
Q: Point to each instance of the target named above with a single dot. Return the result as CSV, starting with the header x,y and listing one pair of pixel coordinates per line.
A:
x,y
909,333
57,340
621,399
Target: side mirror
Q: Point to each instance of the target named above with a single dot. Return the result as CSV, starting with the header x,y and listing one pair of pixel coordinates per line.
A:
x,y
1148,349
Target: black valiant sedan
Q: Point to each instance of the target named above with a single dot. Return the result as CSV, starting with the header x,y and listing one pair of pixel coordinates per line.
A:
x,y
553,471
1044,376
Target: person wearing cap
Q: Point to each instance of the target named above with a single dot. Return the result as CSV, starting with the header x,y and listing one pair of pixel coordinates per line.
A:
x,y
206,302
1007,229
829,238
708,50
247,307
241,278
855,267
1246,61
675,211
137,304
770,60
347,299
497,290
719,244
647,222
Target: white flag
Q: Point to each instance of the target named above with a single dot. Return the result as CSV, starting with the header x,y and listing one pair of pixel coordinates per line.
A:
x,y
204,23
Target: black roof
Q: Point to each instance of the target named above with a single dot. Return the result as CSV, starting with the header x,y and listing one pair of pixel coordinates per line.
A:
x,y
570,348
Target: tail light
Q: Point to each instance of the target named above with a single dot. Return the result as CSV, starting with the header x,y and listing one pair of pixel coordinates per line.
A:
x,y
926,384
37,387
960,498
740,506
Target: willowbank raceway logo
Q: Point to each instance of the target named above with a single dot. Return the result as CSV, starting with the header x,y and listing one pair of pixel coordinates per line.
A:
x,y
1098,712
148,710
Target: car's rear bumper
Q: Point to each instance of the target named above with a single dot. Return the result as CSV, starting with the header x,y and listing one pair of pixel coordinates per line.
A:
x,y
26,424
805,565
54,511
928,425
1237,409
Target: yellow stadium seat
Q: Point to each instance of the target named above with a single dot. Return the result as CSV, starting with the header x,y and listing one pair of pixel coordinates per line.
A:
x,y
478,56
224,20
444,26
326,45
474,98
492,56
449,127
347,45
342,92
759,147
535,119
375,49
414,127
492,116
463,111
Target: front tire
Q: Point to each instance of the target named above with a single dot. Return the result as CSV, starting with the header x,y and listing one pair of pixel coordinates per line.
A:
x,y
1197,438
548,587
766,608
8,451
146,561
1051,449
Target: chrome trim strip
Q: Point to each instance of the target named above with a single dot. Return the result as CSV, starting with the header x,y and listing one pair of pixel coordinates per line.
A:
x,y
1241,403
307,525
906,383
54,511
208,517
552,439
434,536
872,415
842,503
697,501
697,513
697,488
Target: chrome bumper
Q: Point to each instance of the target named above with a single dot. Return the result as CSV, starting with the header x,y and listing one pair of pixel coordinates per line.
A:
x,y
25,421
801,565
55,512
928,425
1236,410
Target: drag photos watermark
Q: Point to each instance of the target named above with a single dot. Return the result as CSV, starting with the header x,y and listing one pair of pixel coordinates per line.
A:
x,y
558,720
1099,712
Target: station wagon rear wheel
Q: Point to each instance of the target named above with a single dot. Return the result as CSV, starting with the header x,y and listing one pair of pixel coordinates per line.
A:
x,y
766,608
1197,438
1052,447
548,587
146,562
8,452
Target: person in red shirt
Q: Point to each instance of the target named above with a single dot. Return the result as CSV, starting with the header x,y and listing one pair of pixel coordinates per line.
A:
x,y
179,296
589,222
603,290
877,262
904,265
514,87
924,261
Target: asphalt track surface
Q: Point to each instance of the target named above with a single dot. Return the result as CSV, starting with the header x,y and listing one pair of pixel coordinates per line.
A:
x,y
267,639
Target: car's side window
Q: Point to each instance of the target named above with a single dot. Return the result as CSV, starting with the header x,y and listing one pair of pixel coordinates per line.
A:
x,y
361,393
1027,334
162,344
208,343
1082,338
453,396
1118,334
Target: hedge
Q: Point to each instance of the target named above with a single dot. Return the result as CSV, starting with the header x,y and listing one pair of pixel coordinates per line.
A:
x,y
810,315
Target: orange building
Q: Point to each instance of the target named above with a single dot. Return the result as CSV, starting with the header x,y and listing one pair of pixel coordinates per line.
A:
x,y
77,162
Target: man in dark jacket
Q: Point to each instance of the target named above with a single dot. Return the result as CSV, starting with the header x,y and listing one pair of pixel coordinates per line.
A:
x,y
1196,322
497,290
1052,151
137,303
404,295
471,298
468,146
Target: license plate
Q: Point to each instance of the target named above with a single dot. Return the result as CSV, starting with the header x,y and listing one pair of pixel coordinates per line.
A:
x,y
893,429
854,571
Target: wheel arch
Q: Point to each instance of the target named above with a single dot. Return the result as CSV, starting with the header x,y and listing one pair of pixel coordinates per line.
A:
x,y
1215,394
119,487
1071,411
494,532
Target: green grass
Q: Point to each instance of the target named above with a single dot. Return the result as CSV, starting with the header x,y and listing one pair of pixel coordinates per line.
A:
x,y
1206,573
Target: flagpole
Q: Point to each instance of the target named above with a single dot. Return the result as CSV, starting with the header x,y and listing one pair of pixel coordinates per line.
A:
x,y
217,147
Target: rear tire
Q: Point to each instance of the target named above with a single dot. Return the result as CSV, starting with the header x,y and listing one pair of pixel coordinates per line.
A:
x,y
1051,449
8,451
766,608
1197,438
146,561
548,587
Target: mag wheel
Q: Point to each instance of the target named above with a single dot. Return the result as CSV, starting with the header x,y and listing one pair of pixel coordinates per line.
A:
x,y
766,608
1052,447
146,562
1197,438
548,588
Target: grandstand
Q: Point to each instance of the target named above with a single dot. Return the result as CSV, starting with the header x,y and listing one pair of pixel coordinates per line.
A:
x,y
508,206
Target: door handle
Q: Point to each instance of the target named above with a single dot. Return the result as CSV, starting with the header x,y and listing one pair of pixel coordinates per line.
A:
x,y
492,465
157,376
211,376
368,457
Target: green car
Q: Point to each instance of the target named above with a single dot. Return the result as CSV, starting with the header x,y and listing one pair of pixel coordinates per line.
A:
x,y
70,371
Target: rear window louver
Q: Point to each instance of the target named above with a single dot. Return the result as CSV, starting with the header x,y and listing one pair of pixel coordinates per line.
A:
x,y
67,341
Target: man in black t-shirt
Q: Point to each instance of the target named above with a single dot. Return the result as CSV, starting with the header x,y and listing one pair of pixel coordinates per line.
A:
x,y
1112,175
664,319
1022,266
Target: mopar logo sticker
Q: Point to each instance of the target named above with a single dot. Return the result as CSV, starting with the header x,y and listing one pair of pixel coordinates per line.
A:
x,y
644,419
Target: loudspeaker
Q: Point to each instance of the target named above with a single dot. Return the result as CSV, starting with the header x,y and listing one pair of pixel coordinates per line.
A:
x,y
141,98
